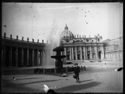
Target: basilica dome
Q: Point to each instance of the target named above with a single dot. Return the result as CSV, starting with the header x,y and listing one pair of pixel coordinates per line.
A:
x,y
66,33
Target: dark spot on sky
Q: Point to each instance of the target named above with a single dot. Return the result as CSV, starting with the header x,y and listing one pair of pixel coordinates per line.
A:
x,y
86,22
77,8
31,6
4,25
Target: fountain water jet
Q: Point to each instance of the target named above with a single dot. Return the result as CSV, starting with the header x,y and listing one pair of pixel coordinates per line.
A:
x,y
53,45
53,41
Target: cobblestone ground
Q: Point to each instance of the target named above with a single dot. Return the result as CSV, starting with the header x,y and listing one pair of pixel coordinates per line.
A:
x,y
99,77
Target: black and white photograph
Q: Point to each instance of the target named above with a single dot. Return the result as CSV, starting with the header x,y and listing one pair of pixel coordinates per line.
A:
x,y
62,47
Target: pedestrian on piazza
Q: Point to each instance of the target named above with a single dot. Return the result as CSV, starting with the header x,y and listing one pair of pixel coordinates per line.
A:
x,y
76,72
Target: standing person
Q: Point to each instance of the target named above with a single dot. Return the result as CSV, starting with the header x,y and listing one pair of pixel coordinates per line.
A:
x,y
76,72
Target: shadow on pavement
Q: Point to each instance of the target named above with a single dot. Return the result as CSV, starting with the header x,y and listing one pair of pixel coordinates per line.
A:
x,y
27,78
85,80
77,87
10,87
40,81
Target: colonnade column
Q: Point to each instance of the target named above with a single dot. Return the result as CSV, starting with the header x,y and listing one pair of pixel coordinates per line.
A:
x,y
10,57
37,58
40,57
27,56
22,56
32,57
16,56
2,57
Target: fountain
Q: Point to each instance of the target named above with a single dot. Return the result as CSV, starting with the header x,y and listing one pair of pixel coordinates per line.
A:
x,y
58,57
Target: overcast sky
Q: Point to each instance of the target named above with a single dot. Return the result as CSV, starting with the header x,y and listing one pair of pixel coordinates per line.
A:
x,y
47,20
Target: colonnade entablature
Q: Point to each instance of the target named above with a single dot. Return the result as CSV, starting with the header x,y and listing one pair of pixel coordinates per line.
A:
x,y
22,39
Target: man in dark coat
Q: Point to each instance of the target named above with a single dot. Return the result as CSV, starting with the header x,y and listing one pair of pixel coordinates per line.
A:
x,y
76,72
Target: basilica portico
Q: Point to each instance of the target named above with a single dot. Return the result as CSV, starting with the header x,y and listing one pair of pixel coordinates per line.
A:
x,y
77,47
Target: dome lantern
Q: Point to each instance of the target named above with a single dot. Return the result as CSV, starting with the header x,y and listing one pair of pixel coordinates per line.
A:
x,y
66,27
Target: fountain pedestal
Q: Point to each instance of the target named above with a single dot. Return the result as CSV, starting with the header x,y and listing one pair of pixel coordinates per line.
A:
x,y
58,57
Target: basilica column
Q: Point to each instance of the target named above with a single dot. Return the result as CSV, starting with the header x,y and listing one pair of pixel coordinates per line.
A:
x,y
72,53
87,52
74,57
90,52
95,55
76,53
97,52
81,53
103,57
64,51
86,49
84,52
